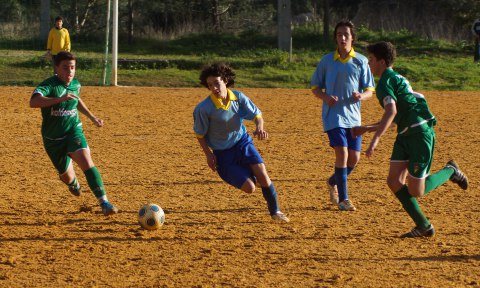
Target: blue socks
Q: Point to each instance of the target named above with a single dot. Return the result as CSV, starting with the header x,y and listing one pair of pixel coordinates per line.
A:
x,y
341,180
270,195
332,181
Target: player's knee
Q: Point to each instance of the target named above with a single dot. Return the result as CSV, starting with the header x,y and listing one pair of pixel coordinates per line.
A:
x,y
248,186
394,184
415,191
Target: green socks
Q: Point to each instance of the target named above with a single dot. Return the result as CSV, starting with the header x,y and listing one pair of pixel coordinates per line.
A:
x,y
95,182
437,179
410,205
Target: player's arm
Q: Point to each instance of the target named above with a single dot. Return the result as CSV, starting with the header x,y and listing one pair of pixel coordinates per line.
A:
x,y
259,130
329,99
68,44
360,130
385,122
39,101
82,108
365,95
211,160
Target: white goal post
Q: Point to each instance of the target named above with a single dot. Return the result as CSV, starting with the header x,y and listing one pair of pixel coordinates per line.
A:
x,y
115,43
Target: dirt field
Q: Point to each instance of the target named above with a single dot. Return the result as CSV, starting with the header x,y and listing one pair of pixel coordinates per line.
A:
x,y
214,235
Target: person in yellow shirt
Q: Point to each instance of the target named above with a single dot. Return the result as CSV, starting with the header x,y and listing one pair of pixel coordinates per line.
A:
x,y
58,39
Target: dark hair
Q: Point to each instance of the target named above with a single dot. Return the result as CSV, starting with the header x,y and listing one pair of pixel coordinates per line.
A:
x,y
383,50
345,23
61,56
218,70
58,18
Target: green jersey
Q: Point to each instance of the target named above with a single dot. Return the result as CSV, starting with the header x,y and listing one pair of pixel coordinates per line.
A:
x,y
413,115
61,118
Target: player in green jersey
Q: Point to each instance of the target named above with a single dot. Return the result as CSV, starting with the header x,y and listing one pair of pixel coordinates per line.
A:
x,y
412,154
62,133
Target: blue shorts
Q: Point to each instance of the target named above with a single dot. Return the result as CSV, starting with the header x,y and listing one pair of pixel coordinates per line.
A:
x,y
341,137
233,164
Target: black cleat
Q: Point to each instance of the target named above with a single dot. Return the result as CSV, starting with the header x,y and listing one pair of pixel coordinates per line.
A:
x,y
420,232
76,190
457,176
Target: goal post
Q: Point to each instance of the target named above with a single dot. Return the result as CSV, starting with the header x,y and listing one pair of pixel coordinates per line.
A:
x,y
115,43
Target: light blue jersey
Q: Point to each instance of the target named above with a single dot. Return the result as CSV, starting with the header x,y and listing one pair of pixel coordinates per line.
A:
x,y
342,77
222,125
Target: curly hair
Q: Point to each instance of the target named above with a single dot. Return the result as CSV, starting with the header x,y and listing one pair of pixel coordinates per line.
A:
x,y
218,70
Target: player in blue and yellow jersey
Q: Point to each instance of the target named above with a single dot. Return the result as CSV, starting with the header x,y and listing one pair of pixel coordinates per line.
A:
x,y
229,149
412,154
342,80
63,138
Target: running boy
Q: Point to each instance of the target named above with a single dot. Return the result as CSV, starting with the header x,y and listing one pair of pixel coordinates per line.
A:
x,y
229,149
63,138
342,79
412,153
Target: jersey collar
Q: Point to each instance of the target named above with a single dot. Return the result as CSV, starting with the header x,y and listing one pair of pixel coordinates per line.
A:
x,y
351,54
218,102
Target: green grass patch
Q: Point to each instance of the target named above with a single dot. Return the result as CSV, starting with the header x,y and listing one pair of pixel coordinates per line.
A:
x,y
428,64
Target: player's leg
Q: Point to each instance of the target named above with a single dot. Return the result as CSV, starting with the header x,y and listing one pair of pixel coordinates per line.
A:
x,y
56,151
339,140
69,177
80,153
252,158
399,169
354,146
268,189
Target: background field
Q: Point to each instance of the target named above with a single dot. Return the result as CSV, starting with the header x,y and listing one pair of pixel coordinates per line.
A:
x,y
215,236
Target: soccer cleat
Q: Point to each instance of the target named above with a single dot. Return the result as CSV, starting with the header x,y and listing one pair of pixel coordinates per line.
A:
x,y
332,190
280,217
346,205
420,232
76,190
108,209
457,176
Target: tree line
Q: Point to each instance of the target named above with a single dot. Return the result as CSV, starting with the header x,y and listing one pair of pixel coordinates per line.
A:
x,y
440,19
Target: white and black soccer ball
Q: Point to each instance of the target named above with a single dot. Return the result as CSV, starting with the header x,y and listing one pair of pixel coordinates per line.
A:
x,y
151,216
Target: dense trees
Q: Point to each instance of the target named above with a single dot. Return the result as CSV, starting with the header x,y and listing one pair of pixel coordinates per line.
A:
x,y
448,19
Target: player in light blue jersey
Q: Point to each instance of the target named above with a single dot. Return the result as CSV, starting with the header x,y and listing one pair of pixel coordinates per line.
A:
x,y
229,149
342,80
58,97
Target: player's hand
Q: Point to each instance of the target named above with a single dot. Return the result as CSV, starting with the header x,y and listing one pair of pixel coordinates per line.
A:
x,y
69,96
332,100
97,121
212,162
48,56
371,147
357,95
358,131
260,134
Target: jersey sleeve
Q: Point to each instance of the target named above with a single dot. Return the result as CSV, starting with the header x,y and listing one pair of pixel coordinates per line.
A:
x,y
386,89
43,89
248,109
200,121
367,81
318,77
68,44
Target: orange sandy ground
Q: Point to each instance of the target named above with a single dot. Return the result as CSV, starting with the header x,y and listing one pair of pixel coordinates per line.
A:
x,y
214,235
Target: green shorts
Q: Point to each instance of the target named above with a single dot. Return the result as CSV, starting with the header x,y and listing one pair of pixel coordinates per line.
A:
x,y
59,149
417,150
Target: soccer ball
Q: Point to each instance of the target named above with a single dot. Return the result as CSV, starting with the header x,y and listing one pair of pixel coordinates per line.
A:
x,y
151,216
